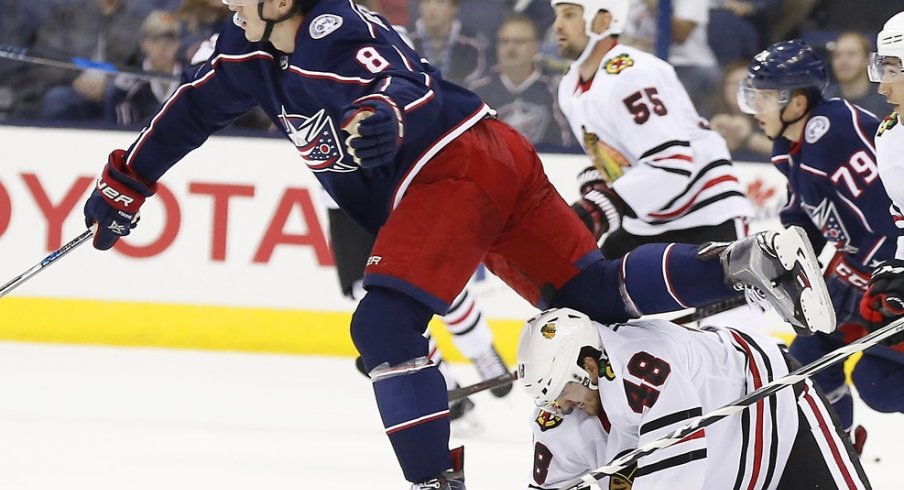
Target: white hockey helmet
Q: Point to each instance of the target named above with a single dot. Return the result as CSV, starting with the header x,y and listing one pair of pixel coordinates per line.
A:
x,y
549,353
618,9
883,67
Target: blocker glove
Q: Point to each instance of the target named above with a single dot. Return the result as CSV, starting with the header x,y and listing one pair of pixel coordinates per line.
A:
x,y
375,131
115,201
600,208
884,297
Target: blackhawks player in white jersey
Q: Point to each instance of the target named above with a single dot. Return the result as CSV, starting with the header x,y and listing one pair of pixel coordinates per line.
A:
x,y
884,299
669,176
604,390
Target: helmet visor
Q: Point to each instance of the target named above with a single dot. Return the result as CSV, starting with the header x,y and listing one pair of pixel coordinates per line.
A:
x,y
884,69
760,101
241,3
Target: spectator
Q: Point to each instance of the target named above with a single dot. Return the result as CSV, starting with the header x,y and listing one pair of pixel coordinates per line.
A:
x,y
101,30
849,55
732,31
745,139
11,33
133,102
518,89
440,37
689,51
482,17
201,19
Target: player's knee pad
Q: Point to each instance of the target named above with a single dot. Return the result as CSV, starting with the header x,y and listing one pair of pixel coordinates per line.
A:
x,y
880,383
388,327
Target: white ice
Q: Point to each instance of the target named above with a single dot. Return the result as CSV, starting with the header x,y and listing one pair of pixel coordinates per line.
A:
x,y
78,417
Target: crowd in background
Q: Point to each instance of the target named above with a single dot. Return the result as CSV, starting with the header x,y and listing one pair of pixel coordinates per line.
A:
x,y
502,49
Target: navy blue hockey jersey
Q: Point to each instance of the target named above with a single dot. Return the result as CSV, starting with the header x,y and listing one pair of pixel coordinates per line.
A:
x,y
343,54
833,184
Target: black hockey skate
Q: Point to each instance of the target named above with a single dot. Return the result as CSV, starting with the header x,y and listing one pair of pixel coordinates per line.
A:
x,y
780,269
490,365
453,479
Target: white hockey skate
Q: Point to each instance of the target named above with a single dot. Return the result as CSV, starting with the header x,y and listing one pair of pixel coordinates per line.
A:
x,y
780,269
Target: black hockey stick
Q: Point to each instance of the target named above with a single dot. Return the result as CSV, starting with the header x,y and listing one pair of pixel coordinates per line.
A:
x,y
53,257
711,309
487,384
738,405
75,63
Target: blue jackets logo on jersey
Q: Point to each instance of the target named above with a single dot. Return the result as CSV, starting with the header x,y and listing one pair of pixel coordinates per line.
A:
x,y
826,217
316,140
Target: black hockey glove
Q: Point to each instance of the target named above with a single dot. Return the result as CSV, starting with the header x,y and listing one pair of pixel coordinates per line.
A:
x,y
115,201
375,129
599,208
884,297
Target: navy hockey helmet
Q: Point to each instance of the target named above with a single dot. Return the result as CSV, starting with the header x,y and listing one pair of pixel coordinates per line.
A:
x,y
784,67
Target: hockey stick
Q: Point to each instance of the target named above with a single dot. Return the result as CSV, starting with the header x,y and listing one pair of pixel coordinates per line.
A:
x,y
738,405
488,384
711,309
75,63
53,257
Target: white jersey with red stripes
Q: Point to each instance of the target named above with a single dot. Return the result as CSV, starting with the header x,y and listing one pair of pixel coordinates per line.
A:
x,y
890,159
657,376
678,173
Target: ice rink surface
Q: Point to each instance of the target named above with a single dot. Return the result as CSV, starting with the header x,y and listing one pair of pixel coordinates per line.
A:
x,y
98,418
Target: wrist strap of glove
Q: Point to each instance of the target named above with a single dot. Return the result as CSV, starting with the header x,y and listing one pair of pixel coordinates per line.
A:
x,y
121,187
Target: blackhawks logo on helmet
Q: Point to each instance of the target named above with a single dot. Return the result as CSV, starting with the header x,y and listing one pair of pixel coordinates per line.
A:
x,y
618,64
888,123
549,330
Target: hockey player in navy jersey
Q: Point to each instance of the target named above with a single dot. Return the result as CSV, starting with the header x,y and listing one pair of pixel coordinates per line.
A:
x,y
825,149
423,164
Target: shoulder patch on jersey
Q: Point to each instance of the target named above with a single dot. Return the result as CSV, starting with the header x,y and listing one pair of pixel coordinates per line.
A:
x,y
548,421
816,128
889,122
618,64
606,369
324,24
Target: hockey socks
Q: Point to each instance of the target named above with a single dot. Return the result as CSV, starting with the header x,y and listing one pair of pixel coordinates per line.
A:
x,y
415,413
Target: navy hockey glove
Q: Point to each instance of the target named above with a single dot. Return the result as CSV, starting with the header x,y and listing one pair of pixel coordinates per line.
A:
x,y
115,201
600,208
375,131
884,297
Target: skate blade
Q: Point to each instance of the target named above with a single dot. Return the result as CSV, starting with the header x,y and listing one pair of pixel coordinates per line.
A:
x,y
792,248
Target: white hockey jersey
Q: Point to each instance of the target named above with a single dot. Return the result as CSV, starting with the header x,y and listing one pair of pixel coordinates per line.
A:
x,y
890,159
659,376
678,173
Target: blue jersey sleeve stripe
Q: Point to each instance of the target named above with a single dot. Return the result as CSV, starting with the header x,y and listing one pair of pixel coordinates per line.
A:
x,y
162,112
666,278
325,75
856,210
855,119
